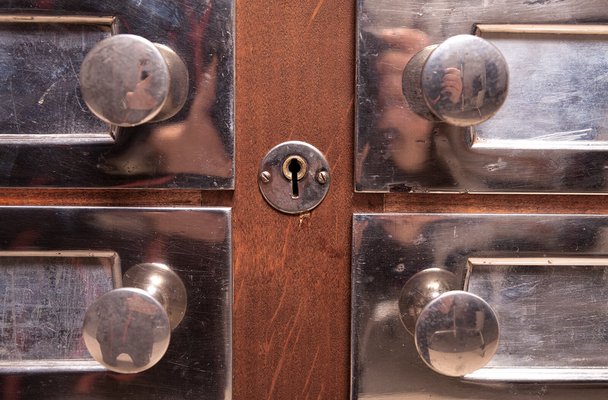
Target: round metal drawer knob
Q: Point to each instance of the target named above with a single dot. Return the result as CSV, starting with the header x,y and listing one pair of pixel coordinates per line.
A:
x,y
462,81
127,80
457,333
128,330
419,290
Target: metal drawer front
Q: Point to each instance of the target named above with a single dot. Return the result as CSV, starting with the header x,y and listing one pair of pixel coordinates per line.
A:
x,y
542,275
50,138
55,262
549,136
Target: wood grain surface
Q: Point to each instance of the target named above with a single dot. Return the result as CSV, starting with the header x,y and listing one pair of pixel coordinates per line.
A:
x,y
295,80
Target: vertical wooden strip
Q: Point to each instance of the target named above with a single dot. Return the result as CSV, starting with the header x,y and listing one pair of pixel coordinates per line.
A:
x,y
295,81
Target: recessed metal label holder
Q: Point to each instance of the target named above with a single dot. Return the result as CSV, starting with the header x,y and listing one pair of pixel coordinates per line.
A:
x,y
548,307
45,295
543,275
56,261
40,95
550,136
48,136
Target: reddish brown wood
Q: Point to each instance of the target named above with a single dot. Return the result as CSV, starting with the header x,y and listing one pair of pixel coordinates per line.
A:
x,y
295,75
295,80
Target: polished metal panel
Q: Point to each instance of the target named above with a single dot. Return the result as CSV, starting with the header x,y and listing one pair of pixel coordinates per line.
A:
x,y
127,80
463,81
50,139
550,134
544,275
128,329
44,298
195,242
294,177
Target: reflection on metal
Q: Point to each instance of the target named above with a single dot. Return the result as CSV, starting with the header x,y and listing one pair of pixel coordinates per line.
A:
x,y
294,177
128,329
127,80
550,135
545,303
563,103
455,332
196,243
48,137
44,298
162,283
38,105
463,81
544,275
420,290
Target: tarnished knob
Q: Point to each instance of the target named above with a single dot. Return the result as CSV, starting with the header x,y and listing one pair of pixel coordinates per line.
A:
x,y
127,80
128,330
455,332
462,81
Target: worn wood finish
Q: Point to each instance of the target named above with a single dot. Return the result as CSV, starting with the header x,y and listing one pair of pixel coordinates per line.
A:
x,y
295,80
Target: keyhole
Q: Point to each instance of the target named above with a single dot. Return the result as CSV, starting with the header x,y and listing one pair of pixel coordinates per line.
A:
x,y
294,168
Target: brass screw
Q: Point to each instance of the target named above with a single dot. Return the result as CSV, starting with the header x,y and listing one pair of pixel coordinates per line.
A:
x,y
322,177
265,176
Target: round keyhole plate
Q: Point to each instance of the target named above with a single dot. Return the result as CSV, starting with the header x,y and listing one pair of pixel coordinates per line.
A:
x,y
276,185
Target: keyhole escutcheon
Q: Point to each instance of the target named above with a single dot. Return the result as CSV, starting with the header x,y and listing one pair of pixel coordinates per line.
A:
x,y
294,177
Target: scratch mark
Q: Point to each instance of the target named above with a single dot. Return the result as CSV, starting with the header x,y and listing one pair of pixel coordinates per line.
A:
x,y
279,367
41,101
238,291
314,13
276,311
569,135
312,368
303,217
321,391
497,166
76,89
14,108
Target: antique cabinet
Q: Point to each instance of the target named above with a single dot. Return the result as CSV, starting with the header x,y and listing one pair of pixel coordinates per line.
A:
x,y
295,80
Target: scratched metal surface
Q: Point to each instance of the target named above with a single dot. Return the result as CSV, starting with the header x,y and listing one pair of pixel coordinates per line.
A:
x,y
195,243
550,136
552,319
44,299
546,309
39,90
48,138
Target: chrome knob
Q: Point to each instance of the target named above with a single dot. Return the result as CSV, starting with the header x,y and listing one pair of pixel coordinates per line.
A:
x,y
128,330
455,332
462,81
127,80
